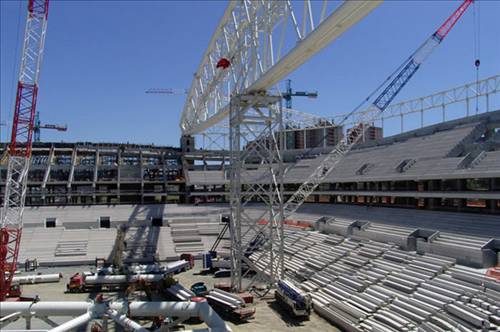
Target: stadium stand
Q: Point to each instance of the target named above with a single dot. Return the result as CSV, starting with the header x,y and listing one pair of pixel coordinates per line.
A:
x,y
366,285
453,165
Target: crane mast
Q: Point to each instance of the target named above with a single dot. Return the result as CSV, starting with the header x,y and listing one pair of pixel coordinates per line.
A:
x,y
21,142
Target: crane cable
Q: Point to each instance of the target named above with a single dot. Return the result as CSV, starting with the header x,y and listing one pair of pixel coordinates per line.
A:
x,y
477,46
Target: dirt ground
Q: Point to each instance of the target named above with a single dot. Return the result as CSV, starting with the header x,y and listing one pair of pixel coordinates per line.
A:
x,y
268,317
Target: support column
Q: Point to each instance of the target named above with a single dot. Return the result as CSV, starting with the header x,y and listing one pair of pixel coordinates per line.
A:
x,y
256,170
430,188
118,174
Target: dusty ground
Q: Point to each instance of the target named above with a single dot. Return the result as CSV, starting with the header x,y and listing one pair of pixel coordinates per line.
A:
x,y
269,316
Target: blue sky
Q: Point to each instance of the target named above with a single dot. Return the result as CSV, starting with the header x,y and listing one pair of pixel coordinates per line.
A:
x,y
101,56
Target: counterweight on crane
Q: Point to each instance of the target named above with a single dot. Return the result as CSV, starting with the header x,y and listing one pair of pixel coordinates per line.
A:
x,y
21,139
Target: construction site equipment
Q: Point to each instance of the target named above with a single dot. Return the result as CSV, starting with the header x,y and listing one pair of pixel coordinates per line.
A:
x,y
494,272
221,263
36,279
299,302
178,266
87,311
226,220
225,286
230,305
289,93
30,265
222,273
256,66
21,142
398,80
168,91
199,288
188,258
179,292
278,212
110,279
38,125
116,256
206,258
86,282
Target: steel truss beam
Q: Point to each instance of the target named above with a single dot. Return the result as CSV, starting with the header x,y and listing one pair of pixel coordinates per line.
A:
x,y
255,122
264,41
486,90
467,93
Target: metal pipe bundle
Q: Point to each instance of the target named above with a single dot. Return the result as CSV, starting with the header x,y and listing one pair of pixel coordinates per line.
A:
x,y
122,279
84,310
36,278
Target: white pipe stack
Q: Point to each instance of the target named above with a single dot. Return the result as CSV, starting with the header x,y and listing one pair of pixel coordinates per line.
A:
x,y
36,278
199,309
231,300
121,279
181,292
74,323
126,322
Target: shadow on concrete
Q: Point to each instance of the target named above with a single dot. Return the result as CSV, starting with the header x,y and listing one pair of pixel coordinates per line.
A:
x,y
289,320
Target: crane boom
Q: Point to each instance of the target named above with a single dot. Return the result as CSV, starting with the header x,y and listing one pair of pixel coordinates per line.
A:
x,y
37,125
21,139
409,67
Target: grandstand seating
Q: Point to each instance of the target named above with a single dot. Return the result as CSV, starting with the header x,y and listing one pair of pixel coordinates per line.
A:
x,y
434,152
365,285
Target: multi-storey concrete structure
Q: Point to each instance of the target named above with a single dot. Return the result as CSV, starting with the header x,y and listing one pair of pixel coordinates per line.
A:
x,y
322,135
452,166
88,173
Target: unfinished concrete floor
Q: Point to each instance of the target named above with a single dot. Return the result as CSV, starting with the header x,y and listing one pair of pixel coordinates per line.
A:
x,y
269,316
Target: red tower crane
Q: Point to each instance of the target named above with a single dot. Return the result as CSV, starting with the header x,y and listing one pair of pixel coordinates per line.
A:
x,y
20,144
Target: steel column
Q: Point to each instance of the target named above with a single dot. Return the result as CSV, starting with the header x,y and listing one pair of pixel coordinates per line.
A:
x,y
256,142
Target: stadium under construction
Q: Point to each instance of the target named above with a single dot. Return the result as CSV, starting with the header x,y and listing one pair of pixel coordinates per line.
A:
x,y
263,217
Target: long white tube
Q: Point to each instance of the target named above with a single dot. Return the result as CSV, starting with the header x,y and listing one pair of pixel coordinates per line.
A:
x,y
74,323
180,309
45,308
121,279
126,322
36,278
136,309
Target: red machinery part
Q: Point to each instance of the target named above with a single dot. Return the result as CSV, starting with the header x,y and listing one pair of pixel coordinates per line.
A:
x,y
223,63
9,250
445,28
494,272
24,116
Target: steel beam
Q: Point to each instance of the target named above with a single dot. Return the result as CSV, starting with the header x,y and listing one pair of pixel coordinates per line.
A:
x,y
247,39
261,118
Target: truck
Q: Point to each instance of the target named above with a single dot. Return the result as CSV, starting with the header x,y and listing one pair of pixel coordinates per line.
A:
x,y
293,298
230,305
199,289
106,279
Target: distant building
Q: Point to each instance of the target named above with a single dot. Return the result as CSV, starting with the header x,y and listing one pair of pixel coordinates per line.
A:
x,y
322,135
101,173
371,133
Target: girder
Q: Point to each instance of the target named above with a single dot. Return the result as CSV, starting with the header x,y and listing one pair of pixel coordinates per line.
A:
x,y
467,93
264,41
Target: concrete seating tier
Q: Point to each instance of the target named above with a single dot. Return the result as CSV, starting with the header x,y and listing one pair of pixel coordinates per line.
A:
x,y
365,285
